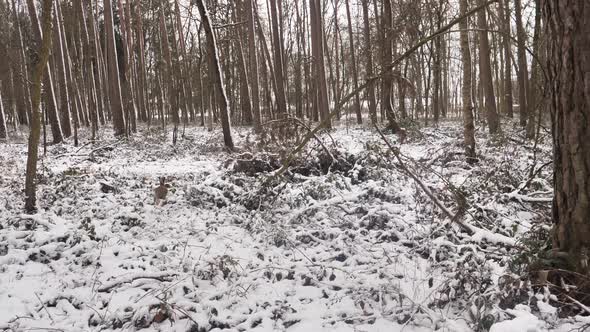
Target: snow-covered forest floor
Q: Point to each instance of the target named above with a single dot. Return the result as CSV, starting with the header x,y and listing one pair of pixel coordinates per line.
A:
x,y
352,245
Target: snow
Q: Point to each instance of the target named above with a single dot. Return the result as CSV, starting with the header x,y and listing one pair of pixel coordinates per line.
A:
x,y
356,250
523,321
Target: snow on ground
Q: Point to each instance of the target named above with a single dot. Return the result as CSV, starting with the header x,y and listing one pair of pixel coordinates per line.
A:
x,y
360,248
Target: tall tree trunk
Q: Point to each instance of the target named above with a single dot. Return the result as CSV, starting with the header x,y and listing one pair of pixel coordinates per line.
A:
x,y
533,94
216,77
568,38
168,74
65,103
523,106
278,61
436,84
387,31
24,72
35,132
245,97
468,125
114,85
50,103
355,78
90,69
508,99
142,95
298,70
321,88
253,66
369,63
486,72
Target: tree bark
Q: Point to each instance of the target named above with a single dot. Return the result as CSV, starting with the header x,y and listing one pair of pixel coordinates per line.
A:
x,y
278,61
523,106
64,103
508,99
369,63
468,125
253,66
114,84
355,78
568,38
533,92
317,42
40,69
215,71
486,72
50,103
387,81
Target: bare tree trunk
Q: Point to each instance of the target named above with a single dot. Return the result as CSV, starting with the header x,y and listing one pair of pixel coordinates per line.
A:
x,y
278,61
40,69
168,69
508,99
65,103
253,66
320,84
24,72
142,95
115,98
386,102
50,102
436,86
298,70
486,72
533,92
99,69
468,125
568,38
355,78
127,64
89,69
369,64
245,98
215,71
523,106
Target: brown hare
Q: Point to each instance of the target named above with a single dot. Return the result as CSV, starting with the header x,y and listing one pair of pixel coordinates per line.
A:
x,y
160,192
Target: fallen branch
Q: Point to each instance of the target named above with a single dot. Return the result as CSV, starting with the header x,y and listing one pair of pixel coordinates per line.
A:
x,y
453,216
162,276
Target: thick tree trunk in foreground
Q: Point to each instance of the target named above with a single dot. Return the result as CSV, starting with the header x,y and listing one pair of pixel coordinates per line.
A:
x,y
468,126
568,38
216,77
35,133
